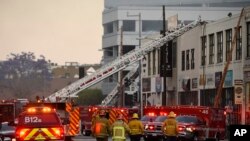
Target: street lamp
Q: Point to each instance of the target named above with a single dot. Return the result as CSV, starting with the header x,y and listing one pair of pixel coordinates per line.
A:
x,y
139,91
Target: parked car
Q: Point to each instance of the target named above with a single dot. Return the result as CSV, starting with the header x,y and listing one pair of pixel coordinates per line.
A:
x,y
190,127
153,129
7,132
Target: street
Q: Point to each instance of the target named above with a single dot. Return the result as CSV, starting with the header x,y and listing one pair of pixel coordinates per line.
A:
x,y
89,138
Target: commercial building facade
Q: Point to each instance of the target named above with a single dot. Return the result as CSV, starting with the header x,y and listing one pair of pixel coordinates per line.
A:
x,y
125,14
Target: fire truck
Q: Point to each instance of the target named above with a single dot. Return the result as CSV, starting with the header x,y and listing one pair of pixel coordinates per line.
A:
x,y
107,70
68,113
89,113
10,109
117,65
212,124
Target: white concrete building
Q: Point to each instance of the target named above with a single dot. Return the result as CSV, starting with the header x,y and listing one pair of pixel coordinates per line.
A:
x,y
206,48
125,14
201,55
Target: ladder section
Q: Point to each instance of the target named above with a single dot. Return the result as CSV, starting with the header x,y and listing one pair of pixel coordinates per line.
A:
x,y
118,64
106,101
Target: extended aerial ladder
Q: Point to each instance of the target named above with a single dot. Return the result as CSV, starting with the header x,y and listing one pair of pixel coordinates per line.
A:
x,y
118,64
113,94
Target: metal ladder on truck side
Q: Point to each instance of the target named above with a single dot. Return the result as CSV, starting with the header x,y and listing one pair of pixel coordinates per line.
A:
x,y
118,64
113,94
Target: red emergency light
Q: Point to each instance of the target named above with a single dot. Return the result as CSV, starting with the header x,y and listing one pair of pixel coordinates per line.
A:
x,y
151,114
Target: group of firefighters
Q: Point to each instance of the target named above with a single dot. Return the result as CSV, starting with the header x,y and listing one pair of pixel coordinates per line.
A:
x,y
101,128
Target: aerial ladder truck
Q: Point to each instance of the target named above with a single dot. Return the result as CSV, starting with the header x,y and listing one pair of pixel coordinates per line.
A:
x,y
109,69
117,65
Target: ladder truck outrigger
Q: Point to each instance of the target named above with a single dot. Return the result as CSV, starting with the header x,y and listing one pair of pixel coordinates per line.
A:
x,y
113,67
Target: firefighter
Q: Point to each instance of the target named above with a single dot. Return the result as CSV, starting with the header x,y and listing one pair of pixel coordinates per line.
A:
x,y
136,128
95,116
119,129
101,127
170,128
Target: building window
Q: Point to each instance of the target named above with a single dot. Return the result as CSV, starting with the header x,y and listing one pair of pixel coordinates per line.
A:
x,y
154,62
187,60
128,25
108,28
127,48
149,64
219,47
108,52
151,25
239,44
183,60
159,59
174,54
203,50
192,59
211,49
248,39
228,44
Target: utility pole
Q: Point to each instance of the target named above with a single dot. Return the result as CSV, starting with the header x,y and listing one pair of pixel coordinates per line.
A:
x,y
121,87
139,85
163,62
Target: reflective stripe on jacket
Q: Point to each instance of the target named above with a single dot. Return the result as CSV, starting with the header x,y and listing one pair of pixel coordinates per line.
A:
x,y
119,129
118,132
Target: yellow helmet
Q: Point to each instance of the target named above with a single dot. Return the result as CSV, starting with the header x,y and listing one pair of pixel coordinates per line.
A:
x,y
171,114
135,115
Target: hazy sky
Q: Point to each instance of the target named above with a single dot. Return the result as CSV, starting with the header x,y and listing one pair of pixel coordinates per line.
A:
x,y
61,30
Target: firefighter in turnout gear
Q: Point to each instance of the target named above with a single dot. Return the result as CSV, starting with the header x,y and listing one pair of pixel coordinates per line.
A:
x,y
170,128
119,129
95,116
101,127
136,128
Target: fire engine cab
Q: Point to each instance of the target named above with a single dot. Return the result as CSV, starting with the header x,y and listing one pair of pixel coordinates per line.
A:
x,y
67,112
39,123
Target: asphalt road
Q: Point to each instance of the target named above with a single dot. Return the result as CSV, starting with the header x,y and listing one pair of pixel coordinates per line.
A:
x,y
90,138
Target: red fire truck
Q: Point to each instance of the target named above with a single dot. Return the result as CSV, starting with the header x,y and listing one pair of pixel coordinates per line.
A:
x,y
88,113
10,109
68,113
210,121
